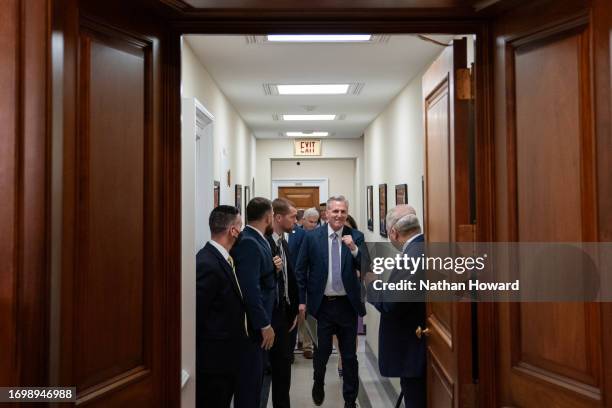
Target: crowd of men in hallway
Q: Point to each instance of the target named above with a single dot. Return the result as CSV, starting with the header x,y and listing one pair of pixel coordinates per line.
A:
x,y
255,286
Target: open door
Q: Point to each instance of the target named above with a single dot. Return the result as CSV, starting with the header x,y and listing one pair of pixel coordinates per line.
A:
x,y
446,94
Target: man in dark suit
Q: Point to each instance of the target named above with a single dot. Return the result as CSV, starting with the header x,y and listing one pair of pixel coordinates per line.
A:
x,y
222,341
284,315
256,274
327,280
400,352
322,214
295,241
296,236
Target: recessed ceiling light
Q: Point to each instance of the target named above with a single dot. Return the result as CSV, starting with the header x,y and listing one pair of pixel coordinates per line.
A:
x,y
320,38
307,134
309,117
313,89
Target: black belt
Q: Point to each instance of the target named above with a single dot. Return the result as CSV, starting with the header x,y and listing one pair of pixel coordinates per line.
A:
x,y
330,298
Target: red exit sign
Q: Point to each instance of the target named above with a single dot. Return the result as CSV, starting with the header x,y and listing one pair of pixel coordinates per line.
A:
x,y
307,147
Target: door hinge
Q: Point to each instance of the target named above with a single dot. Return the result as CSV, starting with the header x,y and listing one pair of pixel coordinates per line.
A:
x,y
463,82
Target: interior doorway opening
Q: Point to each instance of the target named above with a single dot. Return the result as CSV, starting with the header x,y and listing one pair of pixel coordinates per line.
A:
x,y
375,121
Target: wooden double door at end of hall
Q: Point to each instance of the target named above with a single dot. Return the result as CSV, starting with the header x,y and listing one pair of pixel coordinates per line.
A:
x,y
303,197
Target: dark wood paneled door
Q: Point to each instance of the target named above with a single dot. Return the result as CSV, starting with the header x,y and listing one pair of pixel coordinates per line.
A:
x,y
447,215
302,197
118,314
551,182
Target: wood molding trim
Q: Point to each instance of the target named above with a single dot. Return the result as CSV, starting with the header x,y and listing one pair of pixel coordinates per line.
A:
x,y
24,164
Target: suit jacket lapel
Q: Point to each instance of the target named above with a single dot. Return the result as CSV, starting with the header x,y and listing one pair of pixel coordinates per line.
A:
x,y
325,245
228,271
263,242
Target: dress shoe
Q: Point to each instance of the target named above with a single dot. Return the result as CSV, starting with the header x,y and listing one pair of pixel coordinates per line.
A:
x,y
318,393
308,354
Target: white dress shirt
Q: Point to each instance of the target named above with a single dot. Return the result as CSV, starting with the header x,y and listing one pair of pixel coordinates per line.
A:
x,y
329,291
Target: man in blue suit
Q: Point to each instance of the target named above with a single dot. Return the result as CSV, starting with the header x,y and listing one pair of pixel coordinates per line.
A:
x,y
295,242
256,274
400,352
329,289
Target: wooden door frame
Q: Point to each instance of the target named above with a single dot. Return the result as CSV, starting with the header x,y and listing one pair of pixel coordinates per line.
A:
x,y
379,22
27,227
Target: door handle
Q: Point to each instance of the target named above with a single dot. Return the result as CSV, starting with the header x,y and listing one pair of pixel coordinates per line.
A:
x,y
420,332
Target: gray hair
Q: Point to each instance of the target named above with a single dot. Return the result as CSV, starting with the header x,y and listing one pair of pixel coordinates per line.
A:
x,y
339,198
403,218
311,212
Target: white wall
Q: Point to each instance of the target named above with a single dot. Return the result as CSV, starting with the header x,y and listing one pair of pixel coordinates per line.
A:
x,y
234,143
233,148
394,152
268,150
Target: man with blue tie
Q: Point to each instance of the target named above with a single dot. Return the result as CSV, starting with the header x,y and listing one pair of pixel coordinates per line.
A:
x,y
330,291
256,273
400,352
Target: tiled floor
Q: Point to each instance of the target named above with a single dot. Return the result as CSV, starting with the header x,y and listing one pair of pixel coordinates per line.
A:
x,y
372,392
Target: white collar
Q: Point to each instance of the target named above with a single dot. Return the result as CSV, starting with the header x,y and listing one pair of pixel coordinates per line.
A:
x,y
220,248
331,231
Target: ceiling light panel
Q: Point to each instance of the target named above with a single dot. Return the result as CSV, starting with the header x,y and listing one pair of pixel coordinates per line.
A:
x,y
353,88
307,134
318,38
309,117
313,89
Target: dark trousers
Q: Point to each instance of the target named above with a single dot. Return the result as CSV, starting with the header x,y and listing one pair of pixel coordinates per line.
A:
x,y
293,339
415,392
279,359
215,390
240,378
337,316
250,376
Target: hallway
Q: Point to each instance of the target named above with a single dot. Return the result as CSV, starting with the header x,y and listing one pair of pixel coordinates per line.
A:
x,y
240,141
374,391
126,123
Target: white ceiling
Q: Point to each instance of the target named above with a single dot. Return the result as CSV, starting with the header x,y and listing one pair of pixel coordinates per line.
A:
x,y
241,69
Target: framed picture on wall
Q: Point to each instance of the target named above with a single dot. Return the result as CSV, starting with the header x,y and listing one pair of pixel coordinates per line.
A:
x,y
382,209
401,194
216,194
238,197
370,206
